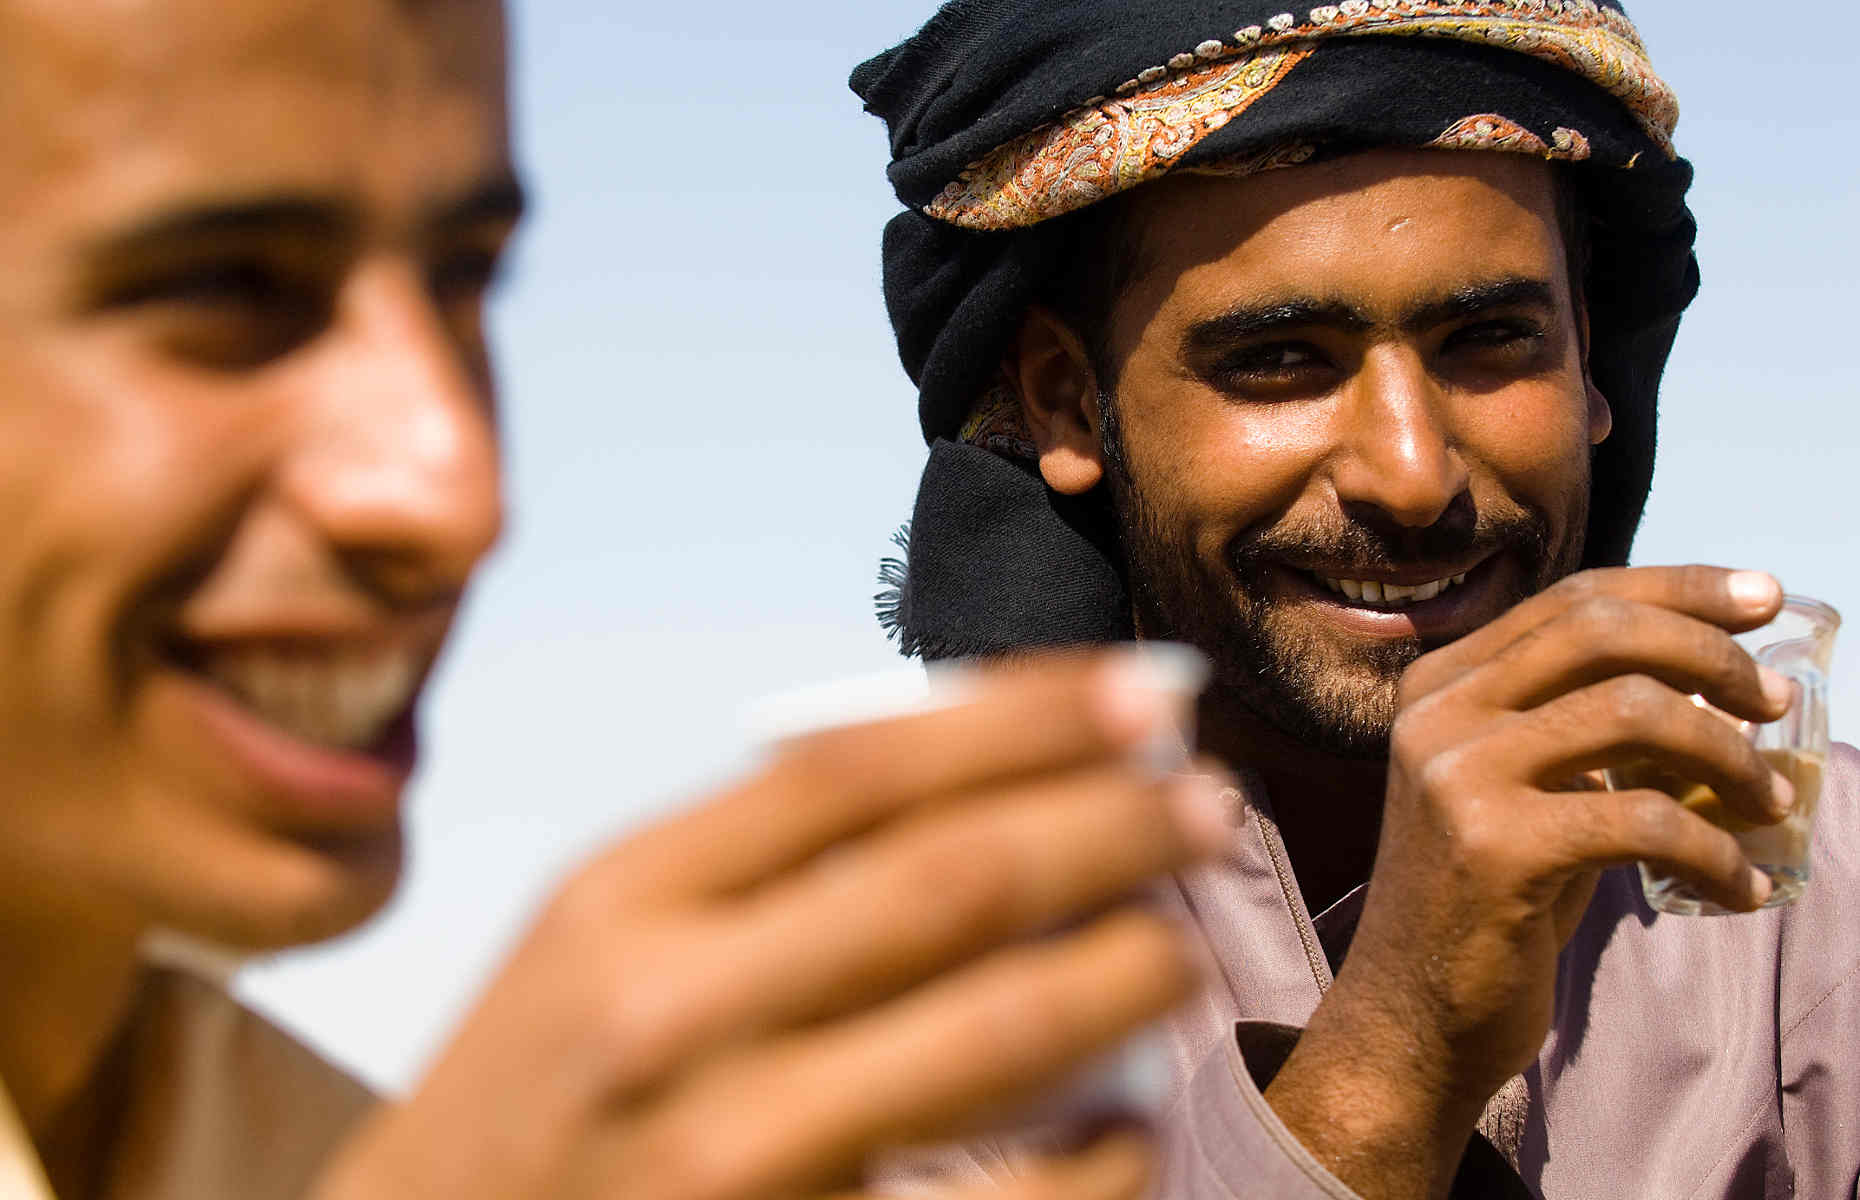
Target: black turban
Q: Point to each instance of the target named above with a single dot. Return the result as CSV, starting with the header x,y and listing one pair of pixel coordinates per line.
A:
x,y
1009,116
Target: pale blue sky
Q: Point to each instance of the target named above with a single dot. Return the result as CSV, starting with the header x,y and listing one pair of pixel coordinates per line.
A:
x,y
710,439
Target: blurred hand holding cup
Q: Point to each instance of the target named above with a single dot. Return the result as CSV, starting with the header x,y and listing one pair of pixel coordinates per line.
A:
x,y
1133,1081
1799,644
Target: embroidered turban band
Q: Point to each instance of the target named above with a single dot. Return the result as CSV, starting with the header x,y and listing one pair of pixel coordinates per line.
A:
x,y
1009,118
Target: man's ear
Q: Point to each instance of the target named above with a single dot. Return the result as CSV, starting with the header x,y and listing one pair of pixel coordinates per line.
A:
x,y
1601,413
1059,402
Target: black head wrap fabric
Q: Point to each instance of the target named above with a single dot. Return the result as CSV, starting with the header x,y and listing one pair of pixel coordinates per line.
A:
x,y
1008,116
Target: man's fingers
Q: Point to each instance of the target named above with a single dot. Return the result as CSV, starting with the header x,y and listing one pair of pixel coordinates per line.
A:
x,y
1618,828
911,1071
930,892
1606,636
1730,599
1118,1165
1057,714
1655,735
885,912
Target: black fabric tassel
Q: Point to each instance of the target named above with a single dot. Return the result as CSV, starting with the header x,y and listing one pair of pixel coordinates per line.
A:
x,y
893,574
994,562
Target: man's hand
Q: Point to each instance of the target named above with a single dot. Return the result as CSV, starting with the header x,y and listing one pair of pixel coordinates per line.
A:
x,y
828,960
1491,846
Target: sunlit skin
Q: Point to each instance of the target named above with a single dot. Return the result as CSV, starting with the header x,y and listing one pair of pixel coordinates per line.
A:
x,y
1336,366
248,402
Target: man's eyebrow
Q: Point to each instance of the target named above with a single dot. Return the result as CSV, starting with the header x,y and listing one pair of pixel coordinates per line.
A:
x,y
1249,321
229,218
1252,320
501,200
1481,297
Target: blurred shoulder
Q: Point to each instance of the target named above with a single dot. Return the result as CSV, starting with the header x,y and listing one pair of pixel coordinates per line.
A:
x,y
223,1102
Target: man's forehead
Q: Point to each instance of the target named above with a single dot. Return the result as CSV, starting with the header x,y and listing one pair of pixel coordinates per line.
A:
x,y
133,104
1297,222
87,45
1210,207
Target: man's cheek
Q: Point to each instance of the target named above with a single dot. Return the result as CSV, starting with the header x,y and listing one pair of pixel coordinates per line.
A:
x,y
1545,464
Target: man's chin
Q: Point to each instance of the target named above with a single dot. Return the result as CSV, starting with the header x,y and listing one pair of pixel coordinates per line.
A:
x,y
1345,723
1336,695
284,896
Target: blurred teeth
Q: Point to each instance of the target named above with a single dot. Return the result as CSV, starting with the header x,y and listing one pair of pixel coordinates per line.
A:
x,y
344,700
1388,595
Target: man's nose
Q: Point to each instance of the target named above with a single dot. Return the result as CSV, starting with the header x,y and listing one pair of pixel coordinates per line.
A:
x,y
398,468
1394,452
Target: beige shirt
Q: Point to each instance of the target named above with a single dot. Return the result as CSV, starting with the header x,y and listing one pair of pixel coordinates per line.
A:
x,y
220,1104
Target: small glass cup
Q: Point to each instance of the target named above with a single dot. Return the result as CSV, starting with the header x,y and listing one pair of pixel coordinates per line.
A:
x,y
1799,643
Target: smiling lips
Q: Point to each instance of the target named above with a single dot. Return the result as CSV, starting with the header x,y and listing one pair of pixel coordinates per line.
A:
x,y
1374,593
341,698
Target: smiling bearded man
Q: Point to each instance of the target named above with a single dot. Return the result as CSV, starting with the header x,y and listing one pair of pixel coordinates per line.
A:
x,y
1329,342
1496,313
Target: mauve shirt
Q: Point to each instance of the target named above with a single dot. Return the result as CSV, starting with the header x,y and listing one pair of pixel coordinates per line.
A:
x,y
1714,1058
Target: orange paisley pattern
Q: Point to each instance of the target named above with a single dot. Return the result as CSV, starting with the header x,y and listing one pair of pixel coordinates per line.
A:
x,y
1110,144
1097,151
1490,131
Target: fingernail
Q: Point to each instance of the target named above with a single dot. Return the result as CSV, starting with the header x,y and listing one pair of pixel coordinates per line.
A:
x,y
1169,667
1754,589
1778,688
1151,696
1782,794
1200,807
1129,699
1760,887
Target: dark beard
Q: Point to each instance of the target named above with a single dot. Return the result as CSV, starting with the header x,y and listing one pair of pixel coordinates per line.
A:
x,y
1291,680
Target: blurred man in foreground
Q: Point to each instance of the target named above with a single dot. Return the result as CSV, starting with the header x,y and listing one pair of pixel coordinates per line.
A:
x,y
1328,341
248,463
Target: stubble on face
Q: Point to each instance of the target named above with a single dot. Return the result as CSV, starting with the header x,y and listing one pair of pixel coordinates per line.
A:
x,y
1336,698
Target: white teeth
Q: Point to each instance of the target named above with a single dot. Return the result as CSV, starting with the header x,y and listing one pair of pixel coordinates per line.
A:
x,y
345,699
1395,595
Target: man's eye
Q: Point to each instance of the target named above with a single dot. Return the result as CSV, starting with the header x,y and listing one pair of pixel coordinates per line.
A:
x,y
1516,336
229,315
463,275
1276,368
1273,359
221,285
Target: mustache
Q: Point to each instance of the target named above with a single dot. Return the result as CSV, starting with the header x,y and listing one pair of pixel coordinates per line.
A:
x,y
1461,535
